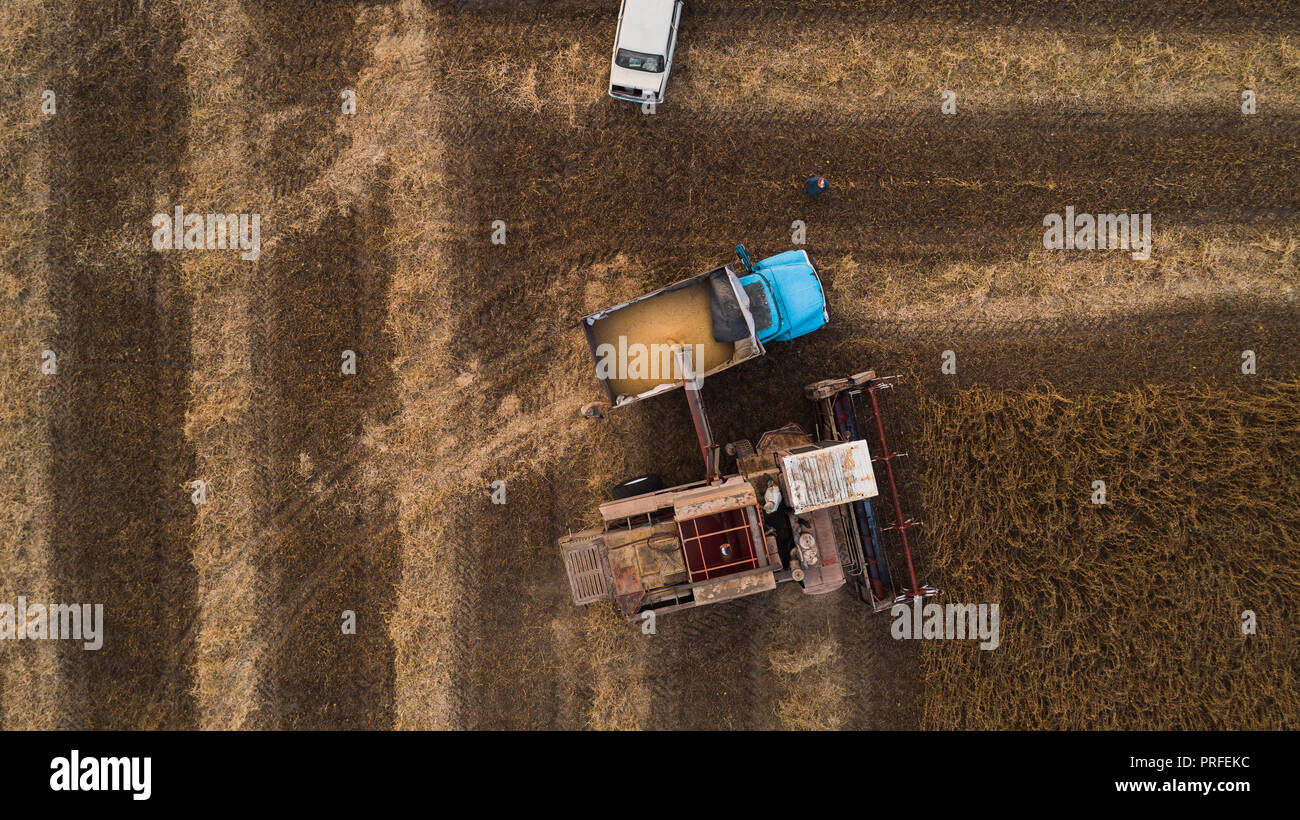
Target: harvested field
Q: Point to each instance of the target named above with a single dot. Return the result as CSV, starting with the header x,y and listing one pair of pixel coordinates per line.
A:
x,y
357,397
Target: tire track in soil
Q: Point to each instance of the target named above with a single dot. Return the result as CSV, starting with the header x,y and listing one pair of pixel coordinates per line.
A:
x,y
514,675
31,682
1200,344
121,512
1165,74
329,298
321,290
467,598
882,675
705,668
1194,343
983,189
512,615
1072,14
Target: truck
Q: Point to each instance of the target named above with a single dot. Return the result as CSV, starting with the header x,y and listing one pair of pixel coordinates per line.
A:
x,y
644,44
721,317
821,510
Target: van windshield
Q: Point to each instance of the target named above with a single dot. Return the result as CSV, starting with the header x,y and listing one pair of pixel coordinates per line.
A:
x,y
654,63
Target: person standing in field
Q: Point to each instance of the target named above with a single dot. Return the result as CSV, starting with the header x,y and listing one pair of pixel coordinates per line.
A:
x,y
815,186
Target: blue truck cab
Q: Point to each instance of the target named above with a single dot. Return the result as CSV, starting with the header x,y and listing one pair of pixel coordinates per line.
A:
x,y
785,295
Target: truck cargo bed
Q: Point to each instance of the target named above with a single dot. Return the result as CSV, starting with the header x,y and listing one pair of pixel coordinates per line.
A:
x,y
632,343
681,316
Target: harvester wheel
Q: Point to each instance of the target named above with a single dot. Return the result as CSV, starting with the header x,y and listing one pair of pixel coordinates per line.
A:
x,y
640,485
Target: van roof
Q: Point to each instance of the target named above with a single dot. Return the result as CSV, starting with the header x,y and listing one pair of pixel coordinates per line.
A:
x,y
646,24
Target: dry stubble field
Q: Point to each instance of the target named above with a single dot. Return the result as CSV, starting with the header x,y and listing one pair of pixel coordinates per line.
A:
x,y
370,492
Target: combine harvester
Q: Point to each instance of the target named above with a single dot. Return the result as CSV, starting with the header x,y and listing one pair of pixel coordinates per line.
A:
x,y
797,507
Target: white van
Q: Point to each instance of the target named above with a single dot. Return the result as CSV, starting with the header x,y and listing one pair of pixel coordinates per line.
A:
x,y
643,49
